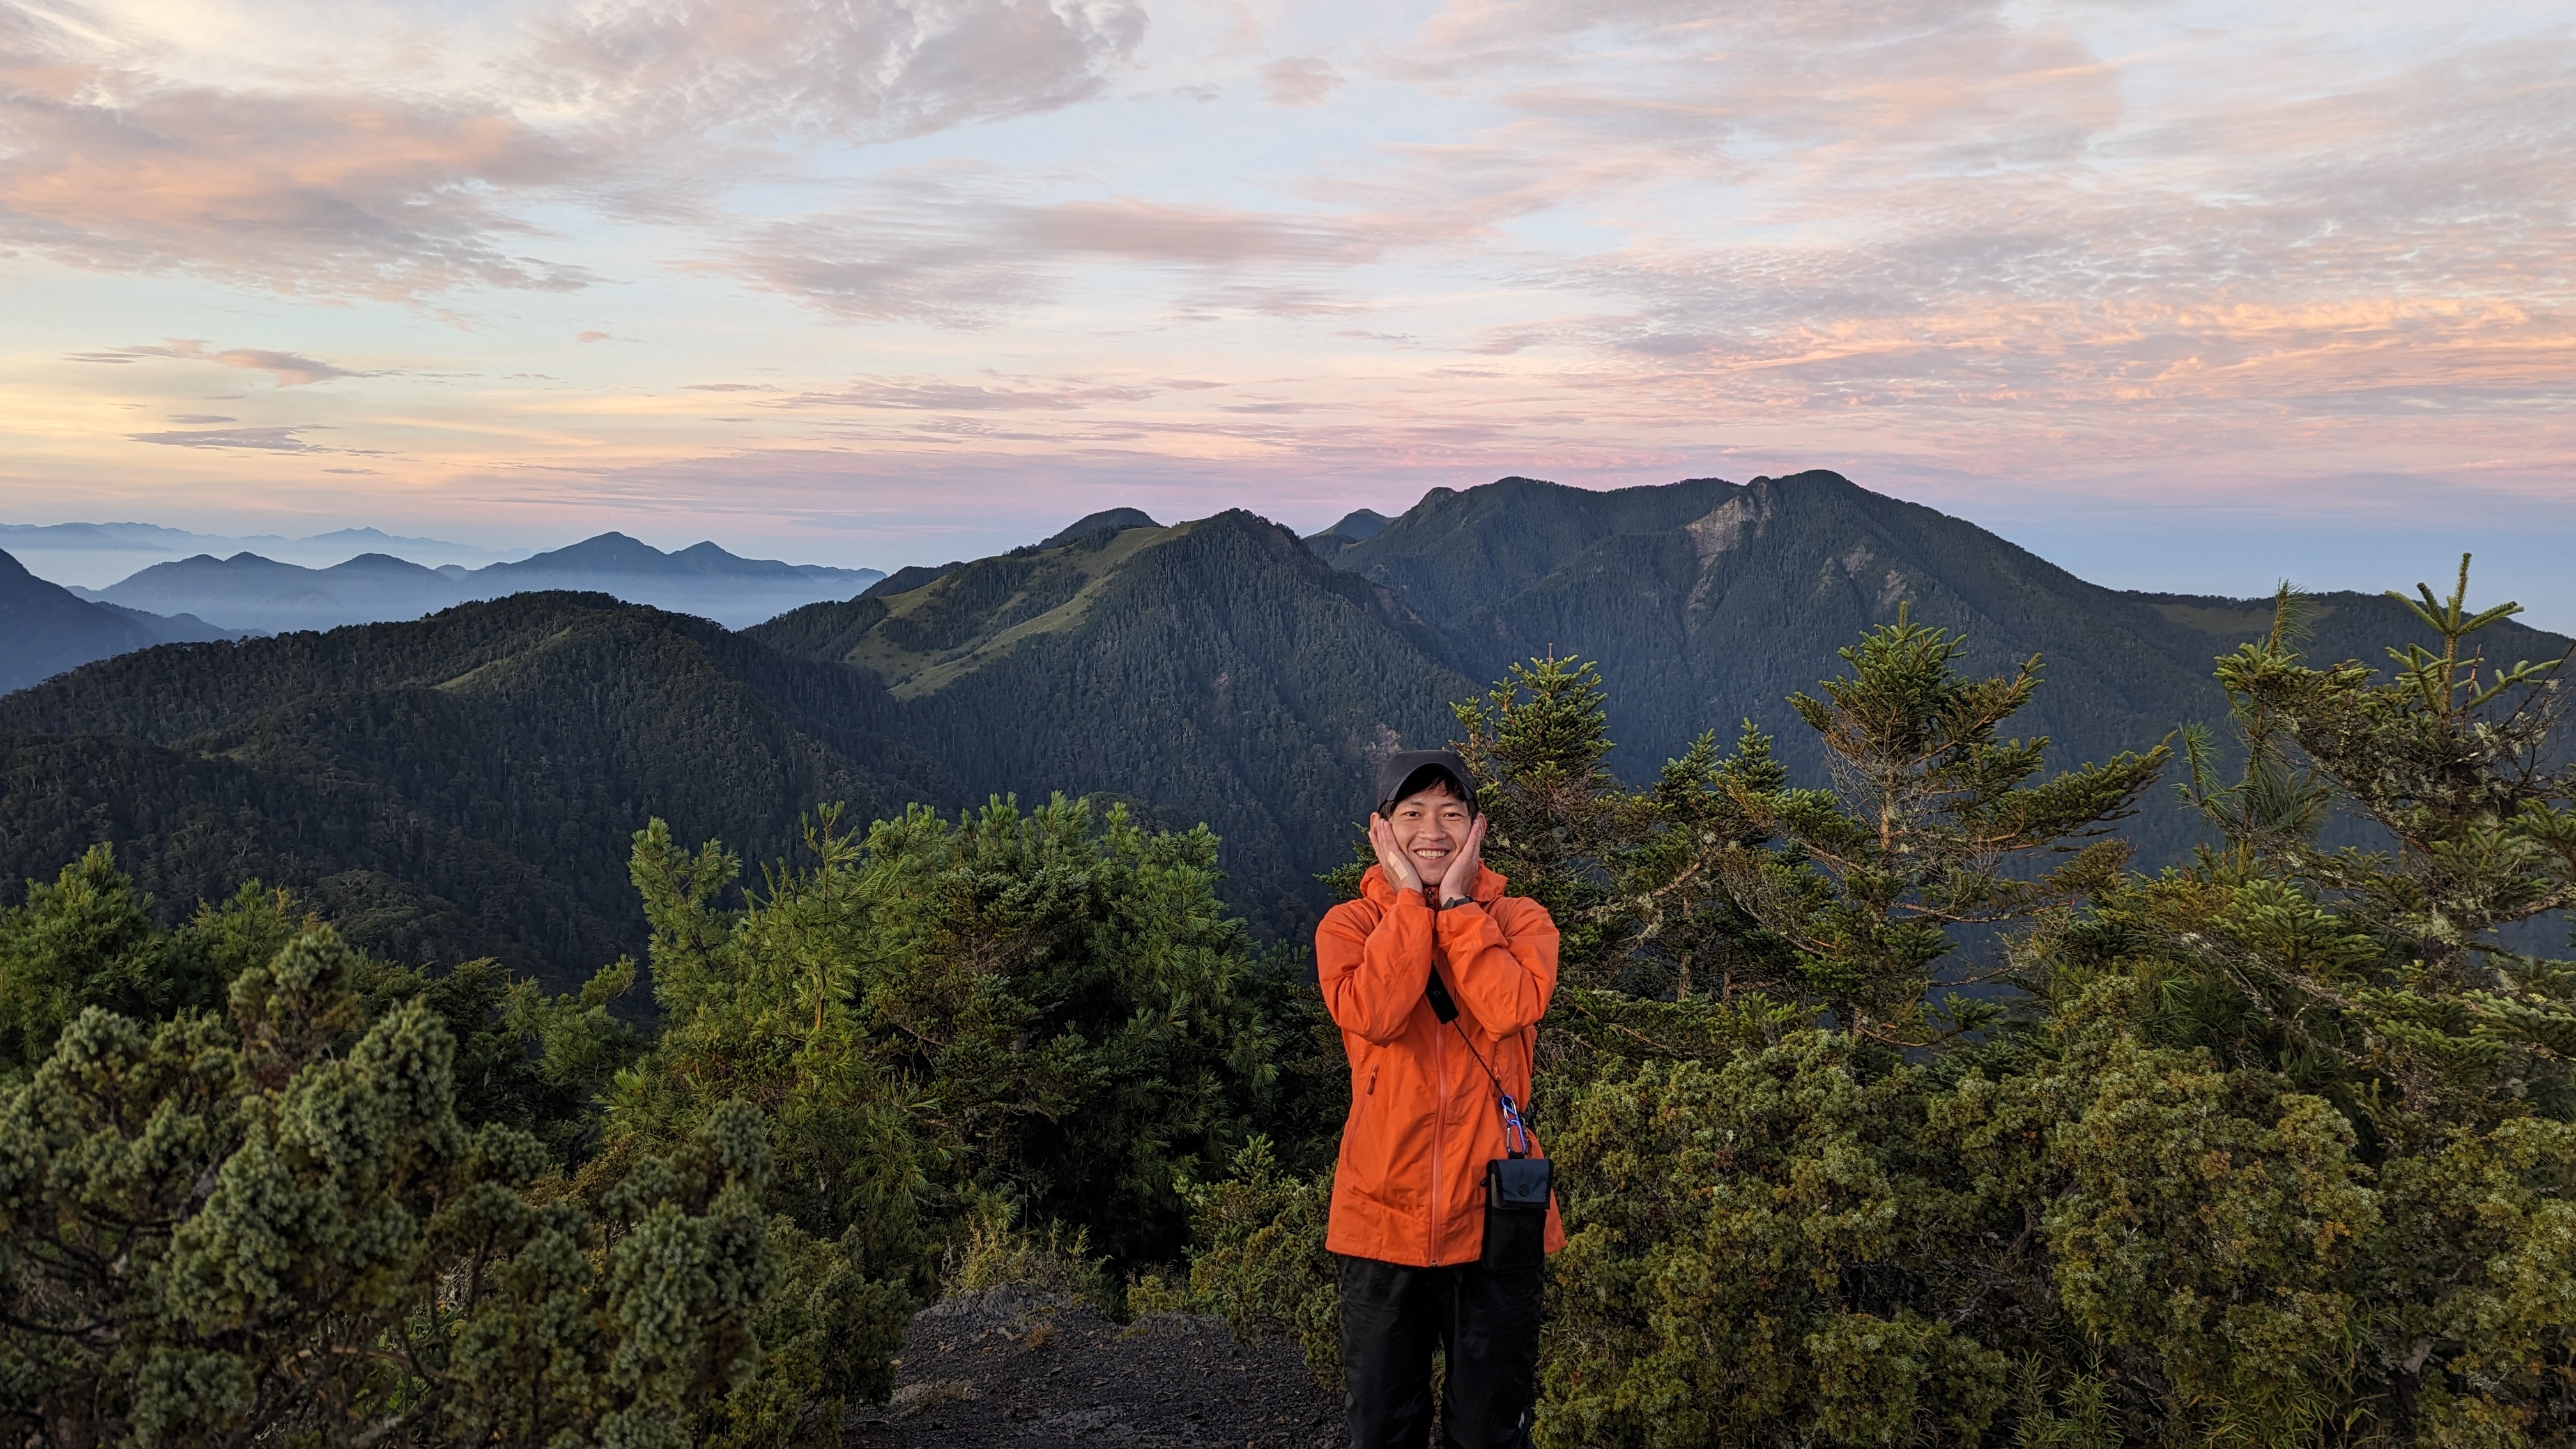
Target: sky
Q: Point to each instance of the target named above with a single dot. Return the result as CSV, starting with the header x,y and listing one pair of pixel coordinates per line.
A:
x,y
2181,295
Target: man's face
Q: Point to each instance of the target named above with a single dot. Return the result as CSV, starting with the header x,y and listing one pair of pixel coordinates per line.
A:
x,y
1430,828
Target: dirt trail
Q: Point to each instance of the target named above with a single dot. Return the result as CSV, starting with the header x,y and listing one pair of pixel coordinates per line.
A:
x,y
1008,1367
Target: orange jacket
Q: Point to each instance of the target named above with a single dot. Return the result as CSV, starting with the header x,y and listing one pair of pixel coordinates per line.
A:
x,y
1410,1187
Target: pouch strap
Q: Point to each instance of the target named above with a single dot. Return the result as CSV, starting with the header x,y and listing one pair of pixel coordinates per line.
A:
x,y
1436,992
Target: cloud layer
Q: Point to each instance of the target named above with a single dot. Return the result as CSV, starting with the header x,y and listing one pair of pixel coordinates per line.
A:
x,y
575,255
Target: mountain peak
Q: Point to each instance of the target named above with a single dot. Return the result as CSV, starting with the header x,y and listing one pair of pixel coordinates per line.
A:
x,y
1358,524
1811,478
612,550
1116,520
378,563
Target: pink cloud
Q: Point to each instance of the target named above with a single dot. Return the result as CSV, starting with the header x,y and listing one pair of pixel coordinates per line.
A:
x,y
1144,231
948,245
938,395
891,268
857,69
269,440
1299,80
289,369
379,191
374,195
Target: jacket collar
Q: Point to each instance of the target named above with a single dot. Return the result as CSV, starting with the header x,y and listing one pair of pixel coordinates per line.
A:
x,y
1375,886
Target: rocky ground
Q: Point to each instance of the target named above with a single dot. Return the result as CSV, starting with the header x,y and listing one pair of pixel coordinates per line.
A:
x,y
1009,1367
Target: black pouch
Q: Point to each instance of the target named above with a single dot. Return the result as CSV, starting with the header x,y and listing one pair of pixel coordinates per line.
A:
x,y
1516,1193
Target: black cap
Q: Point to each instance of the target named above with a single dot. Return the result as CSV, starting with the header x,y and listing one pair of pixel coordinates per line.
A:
x,y
1410,772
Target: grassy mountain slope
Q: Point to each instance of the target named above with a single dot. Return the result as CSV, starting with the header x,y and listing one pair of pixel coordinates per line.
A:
x,y
1706,602
1212,671
466,782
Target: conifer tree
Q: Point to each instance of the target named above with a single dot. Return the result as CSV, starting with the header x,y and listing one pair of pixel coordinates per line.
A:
x,y
1936,824
2373,977
2459,762
1535,745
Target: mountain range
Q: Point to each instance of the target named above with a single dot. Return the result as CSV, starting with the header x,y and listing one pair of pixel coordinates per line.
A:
x,y
94,555
466,784
249,591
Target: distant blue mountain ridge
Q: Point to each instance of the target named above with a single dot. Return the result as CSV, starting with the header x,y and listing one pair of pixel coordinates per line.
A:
x,y
118,537
253,592
95,555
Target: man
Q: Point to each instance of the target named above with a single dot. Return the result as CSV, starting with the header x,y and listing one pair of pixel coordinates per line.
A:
x,y
1437,980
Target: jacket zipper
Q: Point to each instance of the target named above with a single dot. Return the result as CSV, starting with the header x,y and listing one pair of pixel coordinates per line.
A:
x,y
1439,1130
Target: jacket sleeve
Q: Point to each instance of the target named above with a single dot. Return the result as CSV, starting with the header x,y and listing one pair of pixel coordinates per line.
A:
x,y
1373,976
1501,962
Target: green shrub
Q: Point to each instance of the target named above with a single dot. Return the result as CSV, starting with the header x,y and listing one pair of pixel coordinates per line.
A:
x,y
1260,1261
215,1231
1754,1253
1038,1009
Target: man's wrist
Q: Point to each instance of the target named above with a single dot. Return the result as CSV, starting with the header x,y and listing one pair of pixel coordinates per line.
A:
x,y
1451,902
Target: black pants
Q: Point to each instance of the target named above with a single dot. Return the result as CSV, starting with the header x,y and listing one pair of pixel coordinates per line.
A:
x,y
1488,1323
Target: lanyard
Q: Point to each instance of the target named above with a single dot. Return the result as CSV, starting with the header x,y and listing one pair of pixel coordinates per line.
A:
x,y
1447,1010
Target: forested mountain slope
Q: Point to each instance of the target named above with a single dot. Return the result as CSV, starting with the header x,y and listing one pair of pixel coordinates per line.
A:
x,y
466,784
1706,602
1212,671
461,785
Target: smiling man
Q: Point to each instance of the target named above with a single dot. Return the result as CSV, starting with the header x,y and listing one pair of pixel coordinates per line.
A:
x,y
1441,1209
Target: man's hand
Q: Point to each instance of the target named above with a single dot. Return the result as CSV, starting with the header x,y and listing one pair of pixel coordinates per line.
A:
x,y
1465,864
1391,857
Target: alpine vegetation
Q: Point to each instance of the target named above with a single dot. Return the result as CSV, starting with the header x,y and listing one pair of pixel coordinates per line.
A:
x,y
1894,1105
1903,1111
